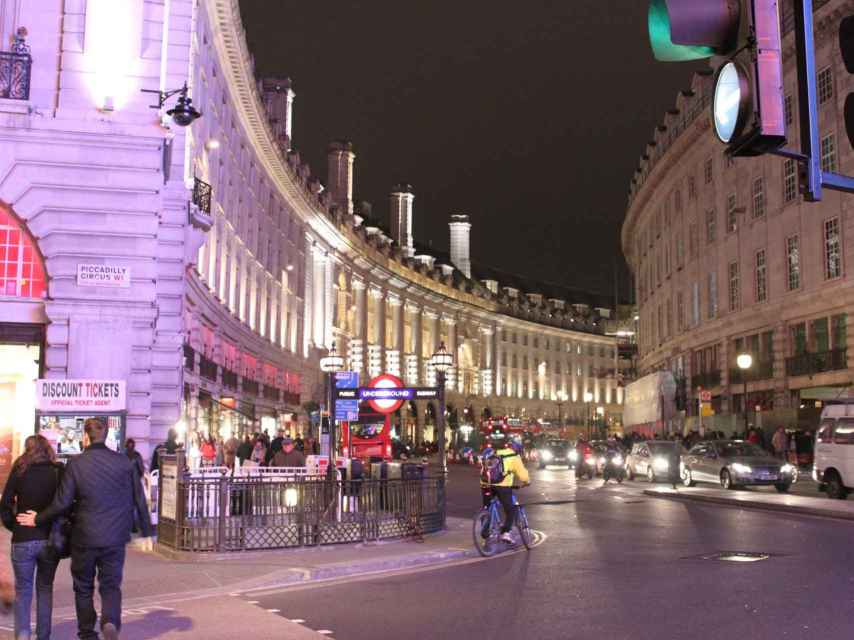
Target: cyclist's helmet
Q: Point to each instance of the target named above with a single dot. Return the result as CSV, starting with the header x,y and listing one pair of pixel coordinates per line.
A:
x,y
487,452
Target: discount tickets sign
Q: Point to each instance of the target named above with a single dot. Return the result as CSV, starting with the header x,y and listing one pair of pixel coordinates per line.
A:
x,y
81,395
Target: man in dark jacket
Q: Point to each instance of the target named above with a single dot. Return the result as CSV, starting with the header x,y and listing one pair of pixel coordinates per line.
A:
x,y
105,491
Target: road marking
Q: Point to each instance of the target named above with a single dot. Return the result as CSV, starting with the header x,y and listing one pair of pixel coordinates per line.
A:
x,y
253,602
274,610
298,620
325,632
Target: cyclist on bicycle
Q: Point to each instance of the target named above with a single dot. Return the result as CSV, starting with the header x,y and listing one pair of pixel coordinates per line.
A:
x,y
514,469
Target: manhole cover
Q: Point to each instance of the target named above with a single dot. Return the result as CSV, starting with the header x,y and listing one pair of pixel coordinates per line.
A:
x,y
733,556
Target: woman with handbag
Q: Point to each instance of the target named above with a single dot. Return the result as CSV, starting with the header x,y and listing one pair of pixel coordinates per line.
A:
x,y
32,483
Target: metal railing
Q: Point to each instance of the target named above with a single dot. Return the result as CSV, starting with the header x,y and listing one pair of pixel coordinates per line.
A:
x,y
15,70
706,379
811,363
762,370
232,513
202,193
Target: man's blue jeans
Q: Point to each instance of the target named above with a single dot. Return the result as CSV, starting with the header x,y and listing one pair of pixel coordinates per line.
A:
x,y
31,559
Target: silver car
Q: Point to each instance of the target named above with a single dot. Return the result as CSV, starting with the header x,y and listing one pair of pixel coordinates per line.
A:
x,y
650,460
733,464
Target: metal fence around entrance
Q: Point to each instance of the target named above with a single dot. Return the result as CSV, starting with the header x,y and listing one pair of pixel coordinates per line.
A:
x,y
233,513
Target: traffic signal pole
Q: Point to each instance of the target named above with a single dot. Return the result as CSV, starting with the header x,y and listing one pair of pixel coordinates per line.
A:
x,y
814,179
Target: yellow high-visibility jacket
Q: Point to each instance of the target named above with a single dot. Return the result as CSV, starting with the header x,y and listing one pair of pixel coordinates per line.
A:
x,y
514,468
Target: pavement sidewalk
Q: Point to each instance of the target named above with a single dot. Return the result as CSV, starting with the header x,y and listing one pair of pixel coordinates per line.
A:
x,y
176,598
785,503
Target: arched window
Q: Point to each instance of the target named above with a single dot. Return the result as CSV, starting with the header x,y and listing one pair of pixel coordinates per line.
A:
x,y
21,268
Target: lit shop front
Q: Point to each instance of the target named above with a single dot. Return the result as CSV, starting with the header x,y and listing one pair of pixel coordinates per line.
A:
x,y
62,407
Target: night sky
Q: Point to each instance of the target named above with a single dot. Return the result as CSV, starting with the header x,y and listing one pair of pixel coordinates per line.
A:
x,y
528,116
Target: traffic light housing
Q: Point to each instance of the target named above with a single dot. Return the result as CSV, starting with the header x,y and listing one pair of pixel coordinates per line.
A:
x,y
742,39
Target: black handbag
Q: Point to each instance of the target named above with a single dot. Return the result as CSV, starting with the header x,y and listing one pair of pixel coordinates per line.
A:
x,y
59,538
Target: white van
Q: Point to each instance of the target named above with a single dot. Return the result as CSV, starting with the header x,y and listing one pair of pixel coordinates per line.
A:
x,y
834,450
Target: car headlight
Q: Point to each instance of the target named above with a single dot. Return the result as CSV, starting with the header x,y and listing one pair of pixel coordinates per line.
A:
x,y
618,460
787,468
601,460
546,455
660,464
573,455
741,468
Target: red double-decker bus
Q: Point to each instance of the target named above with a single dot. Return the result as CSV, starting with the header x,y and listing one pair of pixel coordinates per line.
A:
x,y
368,438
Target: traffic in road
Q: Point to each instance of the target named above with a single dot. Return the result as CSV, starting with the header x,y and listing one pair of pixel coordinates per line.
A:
x,y
615,564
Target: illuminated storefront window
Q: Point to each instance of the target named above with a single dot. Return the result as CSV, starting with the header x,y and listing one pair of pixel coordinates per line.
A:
x,y
21,268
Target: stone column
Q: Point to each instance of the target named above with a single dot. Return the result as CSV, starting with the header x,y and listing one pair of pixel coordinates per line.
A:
x,y
452,382
414,348
376,348
358,344
394,352
329,302
435,338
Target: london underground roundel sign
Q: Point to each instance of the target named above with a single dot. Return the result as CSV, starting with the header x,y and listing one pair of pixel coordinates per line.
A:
x,y
385,405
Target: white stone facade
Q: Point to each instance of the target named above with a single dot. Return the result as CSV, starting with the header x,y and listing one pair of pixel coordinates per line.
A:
x,y
727,257
235,293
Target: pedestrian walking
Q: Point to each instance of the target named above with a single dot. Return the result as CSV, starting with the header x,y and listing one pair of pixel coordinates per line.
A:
x,y
32,485
105,491
288,456
259,452
134,456
780,443
229,451
244,451
170,447
208,451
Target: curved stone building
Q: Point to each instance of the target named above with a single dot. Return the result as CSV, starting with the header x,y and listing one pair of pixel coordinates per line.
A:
x,y
201,271
728,258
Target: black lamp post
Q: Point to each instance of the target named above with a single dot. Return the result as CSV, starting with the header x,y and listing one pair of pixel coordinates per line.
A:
x,y
588,399
561,399
441,361
330,364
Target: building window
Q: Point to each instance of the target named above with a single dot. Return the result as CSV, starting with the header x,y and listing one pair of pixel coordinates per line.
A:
x,y
695,304
708,171
758,197
828,153
734,291
761,277
825,85
832,253
712,292
731,215
799,338
790,180
793,262
668,322
693,241
789,110
711,226
21,268
680,312
692,188
680,249
839,327
677,200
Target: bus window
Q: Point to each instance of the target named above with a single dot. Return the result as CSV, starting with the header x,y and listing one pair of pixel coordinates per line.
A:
x,y
844,433
825,432
358,430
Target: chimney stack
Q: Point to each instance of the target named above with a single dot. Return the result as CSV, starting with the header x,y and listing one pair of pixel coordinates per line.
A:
x,y
279,102
340,176
460,240
402,198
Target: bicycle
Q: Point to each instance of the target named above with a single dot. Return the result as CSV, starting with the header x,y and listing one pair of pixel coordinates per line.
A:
x,y
488,520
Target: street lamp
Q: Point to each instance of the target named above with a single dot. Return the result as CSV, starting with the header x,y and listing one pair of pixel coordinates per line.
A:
x,y
588,398
744,362
441,361
330,364
561,399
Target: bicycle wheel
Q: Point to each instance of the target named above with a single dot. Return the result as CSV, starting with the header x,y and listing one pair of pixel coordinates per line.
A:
x,y
525,533
483,524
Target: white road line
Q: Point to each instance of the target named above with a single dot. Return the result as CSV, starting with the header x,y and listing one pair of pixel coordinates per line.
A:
x,y
298,620
252,601
274,610
325,632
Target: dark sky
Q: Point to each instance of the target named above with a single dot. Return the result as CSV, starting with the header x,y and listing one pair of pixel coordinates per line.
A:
x,y
528,116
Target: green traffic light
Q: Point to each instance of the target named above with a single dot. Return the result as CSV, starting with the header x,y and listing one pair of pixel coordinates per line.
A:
x,y
663,47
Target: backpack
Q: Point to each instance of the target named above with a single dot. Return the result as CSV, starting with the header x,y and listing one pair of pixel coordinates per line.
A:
x,y
493,469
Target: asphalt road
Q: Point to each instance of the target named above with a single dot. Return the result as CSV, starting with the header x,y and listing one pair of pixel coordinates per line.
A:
x,y
616,564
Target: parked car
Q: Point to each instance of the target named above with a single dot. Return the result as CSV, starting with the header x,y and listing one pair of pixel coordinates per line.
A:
x,y
650,459
554,452
834,450
733,464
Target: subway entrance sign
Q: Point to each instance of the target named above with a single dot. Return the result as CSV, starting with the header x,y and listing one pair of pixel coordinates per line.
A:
x,y
386,394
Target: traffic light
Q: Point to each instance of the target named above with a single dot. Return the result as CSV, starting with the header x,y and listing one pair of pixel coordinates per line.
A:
x,y
742,39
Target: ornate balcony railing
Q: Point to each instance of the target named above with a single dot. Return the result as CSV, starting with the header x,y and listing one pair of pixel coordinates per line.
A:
x,y
15,68
207,368
229,378
271,393
202,193
810,363
706,379
762,370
